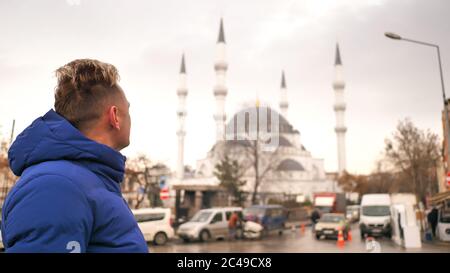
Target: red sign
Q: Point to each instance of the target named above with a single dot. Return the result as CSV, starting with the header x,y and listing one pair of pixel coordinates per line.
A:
x,y
448,180
164,194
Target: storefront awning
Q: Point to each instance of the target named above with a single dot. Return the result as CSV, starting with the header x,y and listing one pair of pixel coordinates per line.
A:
x,y
440,197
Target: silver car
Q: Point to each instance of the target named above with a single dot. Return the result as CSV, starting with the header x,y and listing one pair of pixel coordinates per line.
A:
x,y
208,224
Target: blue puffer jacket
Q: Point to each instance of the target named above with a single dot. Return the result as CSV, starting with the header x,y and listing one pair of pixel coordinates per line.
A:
x,y
68,197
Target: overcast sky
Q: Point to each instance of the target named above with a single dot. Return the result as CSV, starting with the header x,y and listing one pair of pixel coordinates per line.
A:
x,y
386,80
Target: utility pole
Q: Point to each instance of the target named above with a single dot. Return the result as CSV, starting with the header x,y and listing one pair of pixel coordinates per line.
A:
x,y
12,132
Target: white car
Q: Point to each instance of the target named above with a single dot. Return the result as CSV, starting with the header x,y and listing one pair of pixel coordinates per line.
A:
x,y
252,230
443,226
352,213
155,224
208,224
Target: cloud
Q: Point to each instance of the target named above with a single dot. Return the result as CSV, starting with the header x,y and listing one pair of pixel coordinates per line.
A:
x,y
73,2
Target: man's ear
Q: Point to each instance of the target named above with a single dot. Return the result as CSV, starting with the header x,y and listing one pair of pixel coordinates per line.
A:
x,y
113,117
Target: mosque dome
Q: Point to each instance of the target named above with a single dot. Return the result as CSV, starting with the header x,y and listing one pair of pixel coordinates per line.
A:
x,y
264,114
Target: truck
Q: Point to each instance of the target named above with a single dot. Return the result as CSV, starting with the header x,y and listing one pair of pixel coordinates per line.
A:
x,y
329,202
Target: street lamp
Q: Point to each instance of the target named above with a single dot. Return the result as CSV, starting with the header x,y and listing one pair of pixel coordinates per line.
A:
x,y
398,37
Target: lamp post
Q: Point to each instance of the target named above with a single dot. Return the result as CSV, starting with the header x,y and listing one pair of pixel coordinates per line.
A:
x,y
398,37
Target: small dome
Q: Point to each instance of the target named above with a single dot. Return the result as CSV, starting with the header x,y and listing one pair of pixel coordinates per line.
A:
x,y
290,165
284,142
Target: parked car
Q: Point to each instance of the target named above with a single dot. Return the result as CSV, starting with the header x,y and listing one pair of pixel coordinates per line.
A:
x,y
252,230
443,226
209,224
272,217
352,214
330,224
155,224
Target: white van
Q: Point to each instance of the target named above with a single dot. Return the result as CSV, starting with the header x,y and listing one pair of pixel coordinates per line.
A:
x,y
155,224
208,224
375,215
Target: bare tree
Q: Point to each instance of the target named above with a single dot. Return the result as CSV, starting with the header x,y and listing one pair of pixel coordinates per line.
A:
x,y
146,175
254,159
262,163
414,154
379,181
348,182
353,183
145,184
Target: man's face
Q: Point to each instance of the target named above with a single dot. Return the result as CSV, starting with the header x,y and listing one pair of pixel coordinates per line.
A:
x,y
123,114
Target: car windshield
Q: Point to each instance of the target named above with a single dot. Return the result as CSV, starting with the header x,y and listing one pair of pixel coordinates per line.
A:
x,y
201,216
376,211
324,209
254,212
331,219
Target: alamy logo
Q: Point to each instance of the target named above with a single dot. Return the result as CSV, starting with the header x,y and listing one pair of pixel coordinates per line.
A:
x,y
261,124
373,246
74,246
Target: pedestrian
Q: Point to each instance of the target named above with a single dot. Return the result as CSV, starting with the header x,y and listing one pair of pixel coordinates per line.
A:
x,y
432,218
68,197
240,226
315,216
233,225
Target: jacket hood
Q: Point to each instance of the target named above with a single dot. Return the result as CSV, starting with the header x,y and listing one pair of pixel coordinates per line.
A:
x,y
52,137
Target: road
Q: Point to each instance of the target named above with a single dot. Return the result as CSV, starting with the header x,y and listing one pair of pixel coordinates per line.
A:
x,y
291,242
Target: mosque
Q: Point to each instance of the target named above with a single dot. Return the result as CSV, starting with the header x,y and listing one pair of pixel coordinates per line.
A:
x,y
259,134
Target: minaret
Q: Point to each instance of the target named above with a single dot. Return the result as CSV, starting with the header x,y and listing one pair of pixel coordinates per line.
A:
x,y
283,97
220,89
339,109
181,114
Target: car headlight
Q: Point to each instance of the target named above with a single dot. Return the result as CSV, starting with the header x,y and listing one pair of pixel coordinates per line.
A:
x,y
190,230
184,229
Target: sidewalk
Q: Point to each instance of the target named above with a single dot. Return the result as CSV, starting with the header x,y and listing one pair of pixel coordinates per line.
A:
x,y
436,243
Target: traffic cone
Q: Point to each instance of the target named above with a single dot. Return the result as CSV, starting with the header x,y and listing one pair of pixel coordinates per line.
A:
x,y
303,229
340,241
349,236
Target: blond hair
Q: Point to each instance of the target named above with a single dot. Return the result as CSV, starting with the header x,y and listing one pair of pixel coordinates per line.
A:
x,y
83,89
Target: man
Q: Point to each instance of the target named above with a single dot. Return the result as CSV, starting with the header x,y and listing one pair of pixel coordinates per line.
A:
x,y
315,216
232,225
432,218
68,198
